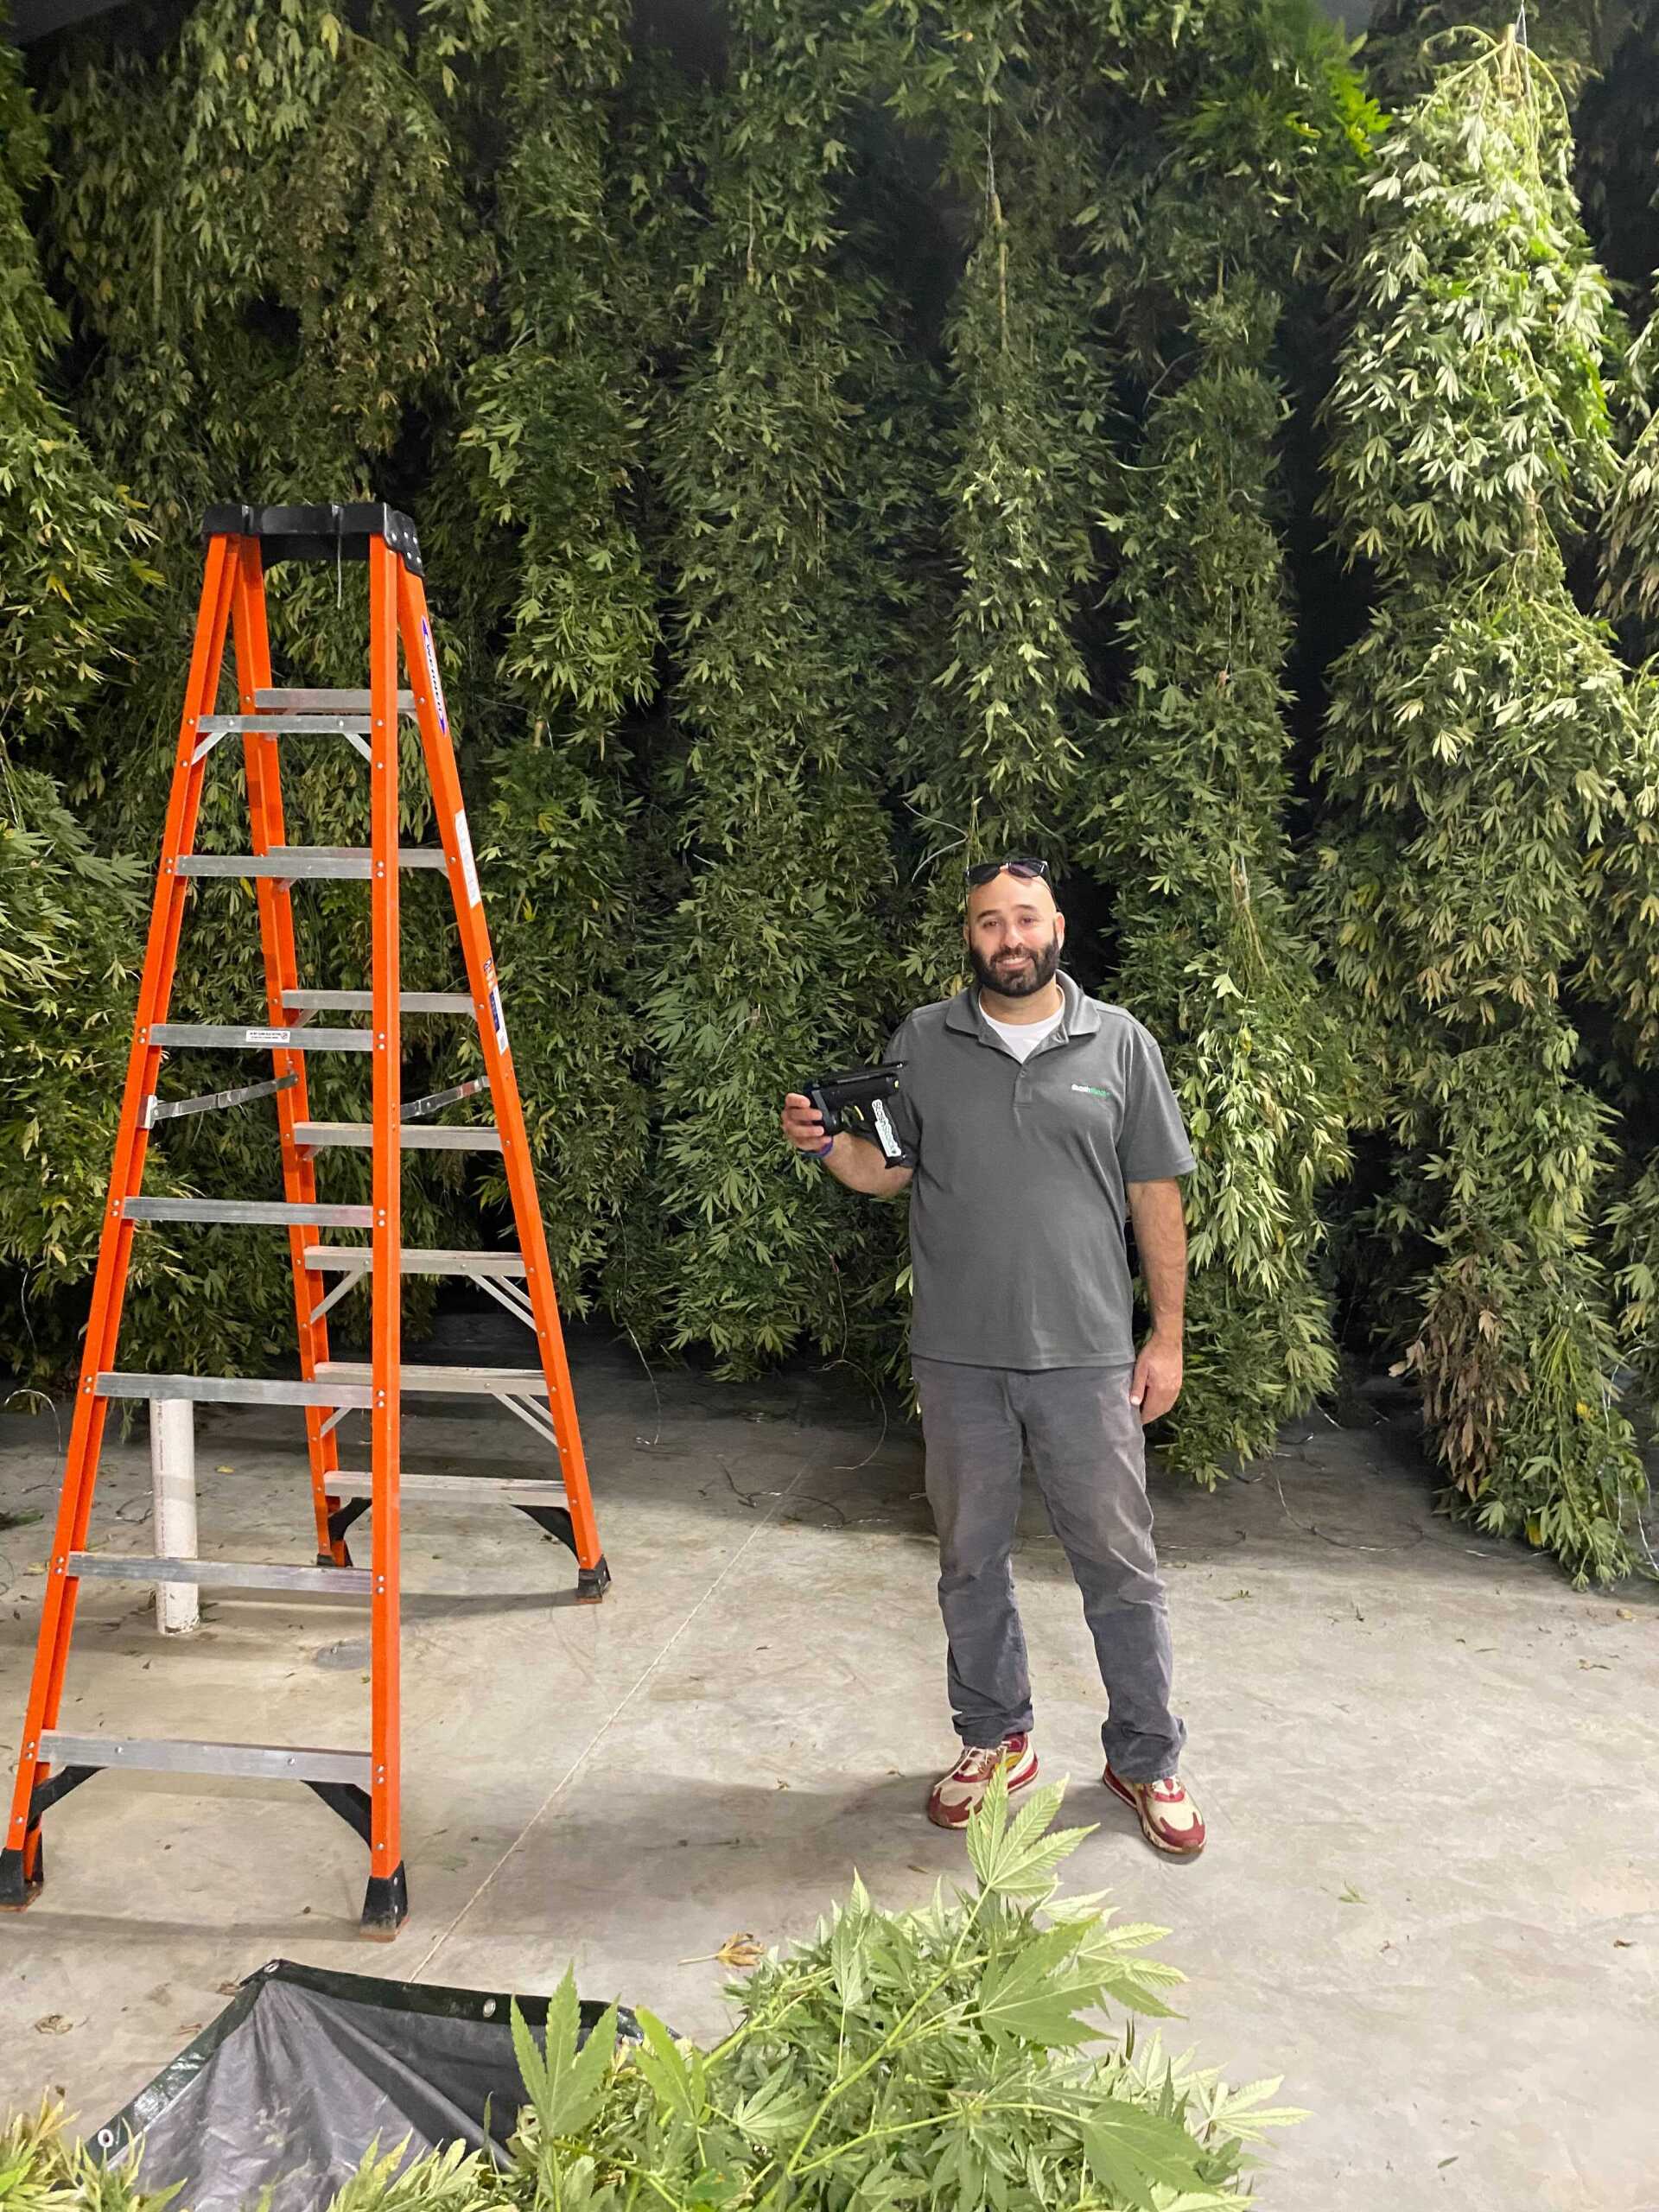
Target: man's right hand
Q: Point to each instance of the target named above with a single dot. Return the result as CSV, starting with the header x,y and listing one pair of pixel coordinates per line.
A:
x,y
802,1124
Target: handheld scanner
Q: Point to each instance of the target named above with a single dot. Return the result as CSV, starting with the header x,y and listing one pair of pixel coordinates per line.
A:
x,y
855,1100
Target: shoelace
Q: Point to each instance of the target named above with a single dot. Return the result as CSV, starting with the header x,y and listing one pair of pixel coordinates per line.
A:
x,y
979,1762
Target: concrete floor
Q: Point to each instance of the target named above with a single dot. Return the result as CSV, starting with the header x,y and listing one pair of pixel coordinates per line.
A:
x,y
1431,1899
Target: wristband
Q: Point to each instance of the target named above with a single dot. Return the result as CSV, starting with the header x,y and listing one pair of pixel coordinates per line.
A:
x,y
828,1146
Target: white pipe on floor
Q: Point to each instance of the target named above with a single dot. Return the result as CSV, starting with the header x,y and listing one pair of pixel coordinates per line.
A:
x,y
173,1474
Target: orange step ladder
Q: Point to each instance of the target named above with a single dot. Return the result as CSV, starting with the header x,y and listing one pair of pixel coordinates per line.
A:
x,y
362,1786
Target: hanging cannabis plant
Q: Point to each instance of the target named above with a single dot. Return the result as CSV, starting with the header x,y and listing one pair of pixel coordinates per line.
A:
x,y
759,972
1213,210
991,769
1473,761
72,574
1187,819
272,264
555,415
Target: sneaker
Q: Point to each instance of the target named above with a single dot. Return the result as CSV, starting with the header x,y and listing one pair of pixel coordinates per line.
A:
x,y
1169,1820
956,1796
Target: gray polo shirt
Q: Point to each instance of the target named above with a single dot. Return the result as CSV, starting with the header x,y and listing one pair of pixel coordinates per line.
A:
x,y
1017,1205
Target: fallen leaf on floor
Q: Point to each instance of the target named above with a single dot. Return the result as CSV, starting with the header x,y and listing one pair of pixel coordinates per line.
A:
x,y
1595,1666
1451,2161
230,1989
1236,1593
1351,1895
189,2028
225,1470
1625,1612
1623,1943
739,1950
52,2023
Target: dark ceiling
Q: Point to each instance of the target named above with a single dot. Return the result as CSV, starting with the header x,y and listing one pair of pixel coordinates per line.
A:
x,y
669,21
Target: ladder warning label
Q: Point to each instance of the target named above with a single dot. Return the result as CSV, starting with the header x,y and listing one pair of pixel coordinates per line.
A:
x,y
432,674
268,1036
499,1021
468,865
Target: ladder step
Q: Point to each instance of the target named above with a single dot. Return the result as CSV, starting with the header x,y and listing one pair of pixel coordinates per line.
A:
x,y
418,1259
445,1382
267,1213
341,862
510,1489
412,1137
221,1573
363,1002
232,1389
227,1036
166,1755
284,724
304,702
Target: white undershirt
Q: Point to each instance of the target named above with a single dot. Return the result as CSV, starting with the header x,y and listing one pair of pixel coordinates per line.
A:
x,y
1022,1038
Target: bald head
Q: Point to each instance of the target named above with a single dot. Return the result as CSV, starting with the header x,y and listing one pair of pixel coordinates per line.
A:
x,y
1014,931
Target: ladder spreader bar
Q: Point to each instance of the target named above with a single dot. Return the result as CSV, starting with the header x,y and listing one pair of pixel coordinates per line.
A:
x,y
172,1109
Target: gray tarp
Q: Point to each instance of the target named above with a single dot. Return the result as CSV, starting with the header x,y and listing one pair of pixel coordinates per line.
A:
x,y
303,2069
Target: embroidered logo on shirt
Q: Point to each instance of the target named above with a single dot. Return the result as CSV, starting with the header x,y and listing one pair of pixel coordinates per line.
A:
x,y
1093,1090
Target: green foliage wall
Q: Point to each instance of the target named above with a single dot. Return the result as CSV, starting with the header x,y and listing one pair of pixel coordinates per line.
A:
x,y
864,443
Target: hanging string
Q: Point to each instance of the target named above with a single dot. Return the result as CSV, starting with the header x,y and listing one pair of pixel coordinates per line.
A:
x,y
1521,24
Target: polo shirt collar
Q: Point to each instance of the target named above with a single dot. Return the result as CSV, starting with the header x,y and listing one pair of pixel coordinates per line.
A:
x,y
1081,1017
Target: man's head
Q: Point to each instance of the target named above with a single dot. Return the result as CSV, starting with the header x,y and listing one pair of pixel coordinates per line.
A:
x,y
1014,931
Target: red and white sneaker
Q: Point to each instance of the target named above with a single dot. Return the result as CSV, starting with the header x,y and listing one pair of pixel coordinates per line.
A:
x,y
1169,1820
957,1796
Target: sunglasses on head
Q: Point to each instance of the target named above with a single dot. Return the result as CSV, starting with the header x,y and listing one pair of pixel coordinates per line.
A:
x,y
1025,866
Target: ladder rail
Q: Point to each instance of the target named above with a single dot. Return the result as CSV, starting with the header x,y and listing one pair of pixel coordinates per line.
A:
x,y
115,1245
262,759
385,1902
450,807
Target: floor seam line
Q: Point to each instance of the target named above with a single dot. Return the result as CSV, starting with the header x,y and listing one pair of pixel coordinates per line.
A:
x,y
611,1720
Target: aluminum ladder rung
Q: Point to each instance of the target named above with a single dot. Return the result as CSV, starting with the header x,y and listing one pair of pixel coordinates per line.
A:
x,y
284,724
412,1137
341,863
363,1002
418,1259
510,1489
223,1036
313,702
170,1755
445,1382
251,1213
232,1389
220,1573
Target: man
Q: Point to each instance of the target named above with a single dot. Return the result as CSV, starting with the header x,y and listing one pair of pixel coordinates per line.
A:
x,y
1036,1115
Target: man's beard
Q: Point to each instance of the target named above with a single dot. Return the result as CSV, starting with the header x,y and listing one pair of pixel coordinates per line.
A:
x,y
1035,973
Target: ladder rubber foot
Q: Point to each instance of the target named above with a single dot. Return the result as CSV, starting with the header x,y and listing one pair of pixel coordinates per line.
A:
x,y
327,1559
17,1891
386,1906
592,1583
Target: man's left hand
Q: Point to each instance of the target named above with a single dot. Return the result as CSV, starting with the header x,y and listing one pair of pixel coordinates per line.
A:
x,y
1156,1383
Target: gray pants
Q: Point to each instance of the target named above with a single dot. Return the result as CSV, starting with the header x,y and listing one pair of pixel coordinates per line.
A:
x,y
1089,1455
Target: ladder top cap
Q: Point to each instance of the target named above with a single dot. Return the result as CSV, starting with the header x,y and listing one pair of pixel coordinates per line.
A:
x,y
322,533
